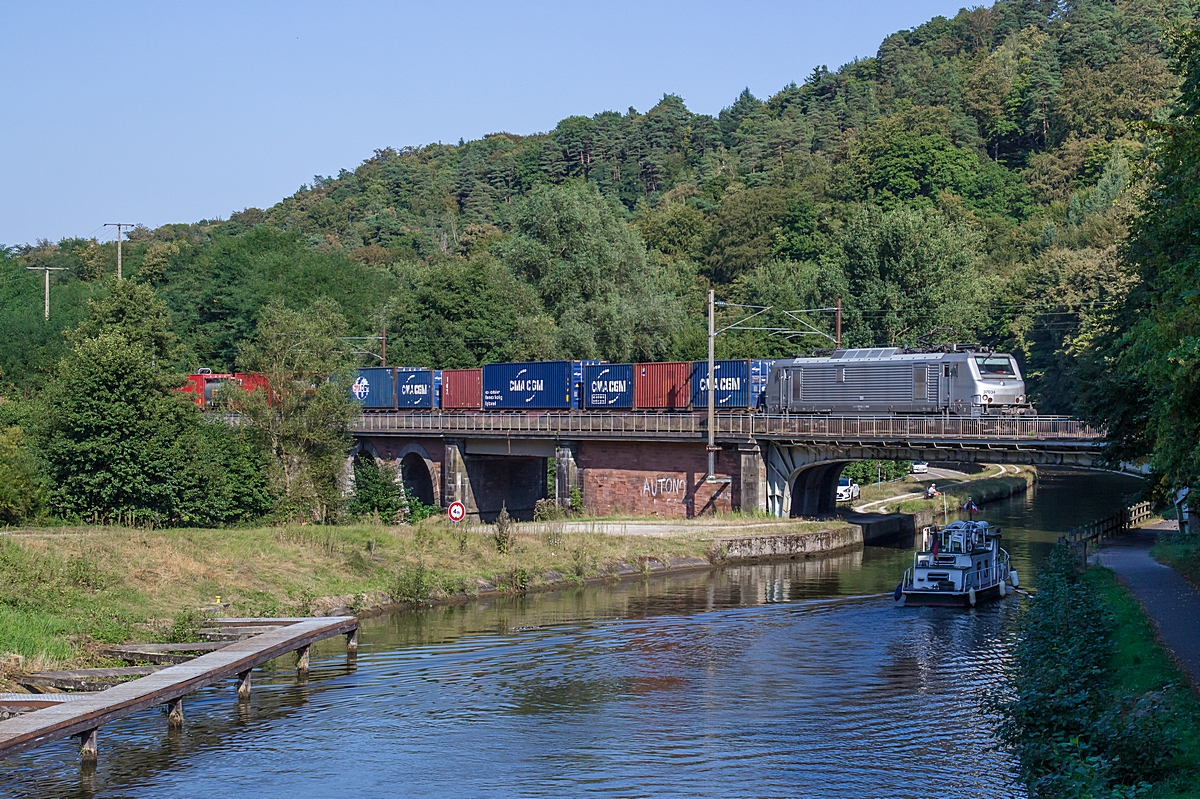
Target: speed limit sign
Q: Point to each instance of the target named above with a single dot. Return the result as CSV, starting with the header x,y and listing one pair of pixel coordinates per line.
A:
x,y
457,511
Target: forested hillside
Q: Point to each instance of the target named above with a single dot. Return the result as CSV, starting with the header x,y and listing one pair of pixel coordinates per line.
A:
x,y
975,175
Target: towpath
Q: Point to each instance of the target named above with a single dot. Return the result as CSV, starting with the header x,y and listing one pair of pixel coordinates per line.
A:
x,y
1170,602
949,479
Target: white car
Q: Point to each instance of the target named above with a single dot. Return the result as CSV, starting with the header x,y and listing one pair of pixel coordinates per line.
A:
x,y
920,467
847,490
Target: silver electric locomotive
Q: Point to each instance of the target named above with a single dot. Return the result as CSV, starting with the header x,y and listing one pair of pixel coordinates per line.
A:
x,y
890,380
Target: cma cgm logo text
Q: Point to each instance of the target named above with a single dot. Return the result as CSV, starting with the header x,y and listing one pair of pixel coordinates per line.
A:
x,y
528,384
610,386
415,389
361,389
723,384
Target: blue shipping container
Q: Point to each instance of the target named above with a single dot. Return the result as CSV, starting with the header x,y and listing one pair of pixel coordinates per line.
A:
x,y
414,387
608,385
740,384
375,387
539,386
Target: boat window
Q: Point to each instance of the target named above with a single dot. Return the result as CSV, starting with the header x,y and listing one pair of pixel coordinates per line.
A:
x,y
996,366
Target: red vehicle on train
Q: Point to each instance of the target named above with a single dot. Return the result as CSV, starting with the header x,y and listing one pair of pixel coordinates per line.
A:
x,y
205,385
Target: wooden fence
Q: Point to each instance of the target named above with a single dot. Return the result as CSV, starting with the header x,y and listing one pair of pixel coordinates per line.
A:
x,y
1101,530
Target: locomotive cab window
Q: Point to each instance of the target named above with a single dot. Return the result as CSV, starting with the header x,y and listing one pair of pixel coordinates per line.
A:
x,y
996,367
797,376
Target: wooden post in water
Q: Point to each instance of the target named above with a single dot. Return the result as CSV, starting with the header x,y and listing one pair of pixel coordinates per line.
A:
x,y
302,661
175,713
244,685
88,750
352,641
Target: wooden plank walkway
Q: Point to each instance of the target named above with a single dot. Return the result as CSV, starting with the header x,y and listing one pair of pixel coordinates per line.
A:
x,y
84,679
161,653
82,717
23,703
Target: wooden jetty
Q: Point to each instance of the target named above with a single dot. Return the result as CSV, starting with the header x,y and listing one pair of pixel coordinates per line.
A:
x,y
83,714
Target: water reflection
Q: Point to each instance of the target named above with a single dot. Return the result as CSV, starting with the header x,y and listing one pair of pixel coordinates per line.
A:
x,y
796,678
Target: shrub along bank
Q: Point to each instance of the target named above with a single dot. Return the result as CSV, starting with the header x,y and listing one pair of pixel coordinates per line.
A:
x,y
1096,707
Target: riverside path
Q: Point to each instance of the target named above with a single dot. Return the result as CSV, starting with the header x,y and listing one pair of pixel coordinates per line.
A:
x,y
1172,604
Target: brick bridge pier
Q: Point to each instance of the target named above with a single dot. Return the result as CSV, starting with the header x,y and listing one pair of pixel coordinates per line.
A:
x,y
654,464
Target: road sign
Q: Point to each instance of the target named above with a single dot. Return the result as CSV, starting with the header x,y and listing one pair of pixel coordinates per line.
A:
x,y
457,511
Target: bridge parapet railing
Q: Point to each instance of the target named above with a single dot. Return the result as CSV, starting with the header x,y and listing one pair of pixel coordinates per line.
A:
x,y
733,425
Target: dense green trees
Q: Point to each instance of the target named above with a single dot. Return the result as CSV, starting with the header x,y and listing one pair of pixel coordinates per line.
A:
x,y
302,422
911,270
120,445
1144,359
22,485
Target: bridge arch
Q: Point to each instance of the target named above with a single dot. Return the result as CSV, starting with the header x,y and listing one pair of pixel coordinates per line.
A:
x,y
418,473
814,489
417,478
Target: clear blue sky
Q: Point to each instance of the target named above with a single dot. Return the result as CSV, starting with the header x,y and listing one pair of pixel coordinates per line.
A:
x,y
170,112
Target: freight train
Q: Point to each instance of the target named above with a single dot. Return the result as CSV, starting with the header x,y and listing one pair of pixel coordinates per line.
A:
x,y
881,381
564,385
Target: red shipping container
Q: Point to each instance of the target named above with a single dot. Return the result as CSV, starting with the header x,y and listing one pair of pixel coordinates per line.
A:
x,y
662,385
462,389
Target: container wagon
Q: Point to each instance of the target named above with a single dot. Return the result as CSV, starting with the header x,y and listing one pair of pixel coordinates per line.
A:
x,y
608,386
374,388
662,386
740,384
414,387
546,385
462,390
891,380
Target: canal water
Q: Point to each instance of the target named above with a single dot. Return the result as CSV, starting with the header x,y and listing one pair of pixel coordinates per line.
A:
x,y
789,679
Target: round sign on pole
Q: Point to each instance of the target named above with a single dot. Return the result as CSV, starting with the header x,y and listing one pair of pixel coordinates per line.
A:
x,y
457,511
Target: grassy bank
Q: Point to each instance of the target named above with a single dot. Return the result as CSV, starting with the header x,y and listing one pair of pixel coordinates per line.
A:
x,y
65,590
1181,553
1097,706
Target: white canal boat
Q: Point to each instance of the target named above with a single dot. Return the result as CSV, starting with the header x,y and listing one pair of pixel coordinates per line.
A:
x,y
958,565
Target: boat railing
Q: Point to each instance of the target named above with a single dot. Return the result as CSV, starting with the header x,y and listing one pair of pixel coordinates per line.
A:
x,y
986,578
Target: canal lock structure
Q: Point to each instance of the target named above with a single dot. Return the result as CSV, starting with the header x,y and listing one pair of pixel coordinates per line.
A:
x,y
797,678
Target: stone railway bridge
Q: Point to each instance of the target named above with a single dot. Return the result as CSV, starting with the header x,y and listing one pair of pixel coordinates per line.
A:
x,y
656,463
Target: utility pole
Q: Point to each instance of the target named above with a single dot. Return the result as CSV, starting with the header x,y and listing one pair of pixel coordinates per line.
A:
x,y
837,330
383,340
712,393
118,226
806,329
47,270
